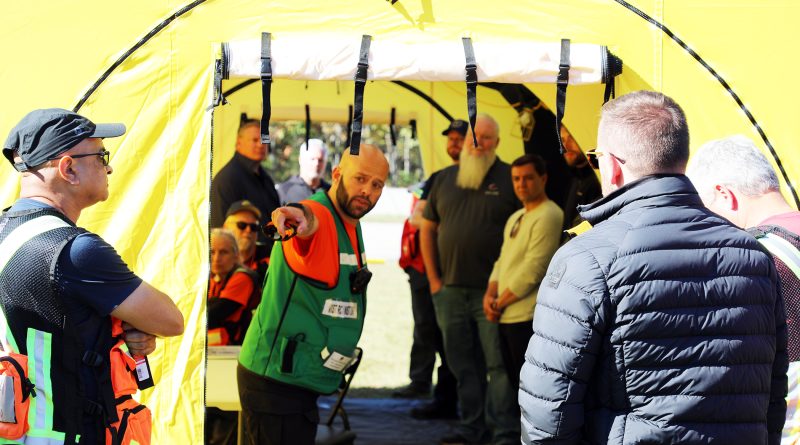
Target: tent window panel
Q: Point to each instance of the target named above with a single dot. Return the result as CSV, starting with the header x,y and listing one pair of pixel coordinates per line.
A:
x,y
405,160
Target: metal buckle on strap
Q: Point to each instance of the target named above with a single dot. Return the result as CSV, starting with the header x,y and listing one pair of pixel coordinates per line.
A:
x,y
563,74
92,408
92,358
472,74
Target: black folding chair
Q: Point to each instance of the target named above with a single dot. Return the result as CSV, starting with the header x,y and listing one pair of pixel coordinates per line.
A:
x,y
328,433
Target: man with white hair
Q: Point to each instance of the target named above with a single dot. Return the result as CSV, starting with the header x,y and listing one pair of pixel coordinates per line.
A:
x,y
663,323
461,236
736,181
313,159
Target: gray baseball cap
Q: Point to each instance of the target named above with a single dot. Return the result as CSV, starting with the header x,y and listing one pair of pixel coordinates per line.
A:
x,y
43,134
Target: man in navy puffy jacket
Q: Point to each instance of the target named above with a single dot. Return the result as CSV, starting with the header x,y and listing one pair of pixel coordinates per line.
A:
x,y
662,324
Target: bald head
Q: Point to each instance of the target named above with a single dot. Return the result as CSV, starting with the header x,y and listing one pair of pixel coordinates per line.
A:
x,y
358,181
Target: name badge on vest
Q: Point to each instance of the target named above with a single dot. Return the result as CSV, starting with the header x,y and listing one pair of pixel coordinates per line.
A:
x,y
340,309
335,361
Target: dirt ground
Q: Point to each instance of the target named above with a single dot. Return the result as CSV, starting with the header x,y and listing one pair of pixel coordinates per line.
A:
x,y
375,417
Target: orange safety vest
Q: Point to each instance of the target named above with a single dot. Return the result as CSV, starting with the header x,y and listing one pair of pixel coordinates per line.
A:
x,y
134,419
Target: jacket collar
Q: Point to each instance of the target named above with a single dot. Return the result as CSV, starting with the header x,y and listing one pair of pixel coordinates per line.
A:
x,y
249,164
649,191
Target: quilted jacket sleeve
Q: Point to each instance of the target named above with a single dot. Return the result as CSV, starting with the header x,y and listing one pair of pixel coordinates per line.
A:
x,y
569,322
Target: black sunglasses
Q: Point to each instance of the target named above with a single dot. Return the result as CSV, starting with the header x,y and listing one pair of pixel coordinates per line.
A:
x,y
105,156
271,232
243,225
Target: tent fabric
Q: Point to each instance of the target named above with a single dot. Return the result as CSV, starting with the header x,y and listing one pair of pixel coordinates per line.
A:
x,y
334,57
157,216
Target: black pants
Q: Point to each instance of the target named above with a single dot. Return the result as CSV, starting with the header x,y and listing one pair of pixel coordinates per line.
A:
x,y
221,427
514,338
274,413
428,342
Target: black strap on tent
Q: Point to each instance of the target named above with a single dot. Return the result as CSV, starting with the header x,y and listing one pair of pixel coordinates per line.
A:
x,y
308,124
358,102
393,126
219,98
561,89
349,125
413,124
266,86
611,66
472,85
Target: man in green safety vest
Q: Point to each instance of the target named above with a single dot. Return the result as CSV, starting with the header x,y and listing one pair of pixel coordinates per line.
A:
x,y
305,331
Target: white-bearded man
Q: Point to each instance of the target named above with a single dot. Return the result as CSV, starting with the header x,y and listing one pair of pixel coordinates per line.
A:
x,y
461,236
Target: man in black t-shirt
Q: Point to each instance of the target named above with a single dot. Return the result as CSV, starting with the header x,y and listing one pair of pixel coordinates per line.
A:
x,y
461,236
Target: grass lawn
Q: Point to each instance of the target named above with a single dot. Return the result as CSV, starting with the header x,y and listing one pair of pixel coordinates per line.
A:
x,y
388,330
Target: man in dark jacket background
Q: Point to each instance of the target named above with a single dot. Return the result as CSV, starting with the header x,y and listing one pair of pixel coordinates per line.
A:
x,y
243,177
662,324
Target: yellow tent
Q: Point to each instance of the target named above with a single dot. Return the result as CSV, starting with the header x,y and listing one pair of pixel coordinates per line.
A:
x,y
151,66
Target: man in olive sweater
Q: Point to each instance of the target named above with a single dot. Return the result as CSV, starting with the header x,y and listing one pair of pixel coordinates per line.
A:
x,y
530,239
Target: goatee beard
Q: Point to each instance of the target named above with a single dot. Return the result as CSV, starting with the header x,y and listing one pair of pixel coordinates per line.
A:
x,y
472,169
343,199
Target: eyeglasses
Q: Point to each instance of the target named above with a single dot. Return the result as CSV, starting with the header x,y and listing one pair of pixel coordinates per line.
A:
x,y
515,227
271,232
594,155
243,225
105,156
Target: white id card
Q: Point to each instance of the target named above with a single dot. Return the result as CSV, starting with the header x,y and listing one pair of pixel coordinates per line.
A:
x,y
340,309
337,362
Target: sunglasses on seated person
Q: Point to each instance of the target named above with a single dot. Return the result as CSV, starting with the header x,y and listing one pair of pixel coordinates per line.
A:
x,y
243,225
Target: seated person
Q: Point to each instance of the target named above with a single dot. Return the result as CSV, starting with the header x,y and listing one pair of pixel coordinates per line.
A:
x,y
232,292
242,220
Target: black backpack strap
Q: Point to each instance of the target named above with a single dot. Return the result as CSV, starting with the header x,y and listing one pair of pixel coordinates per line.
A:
x,y
98,360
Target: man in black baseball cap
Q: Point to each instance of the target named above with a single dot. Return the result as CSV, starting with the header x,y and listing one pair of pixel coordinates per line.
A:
x,y
61,285
455,133
456,125
43,134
